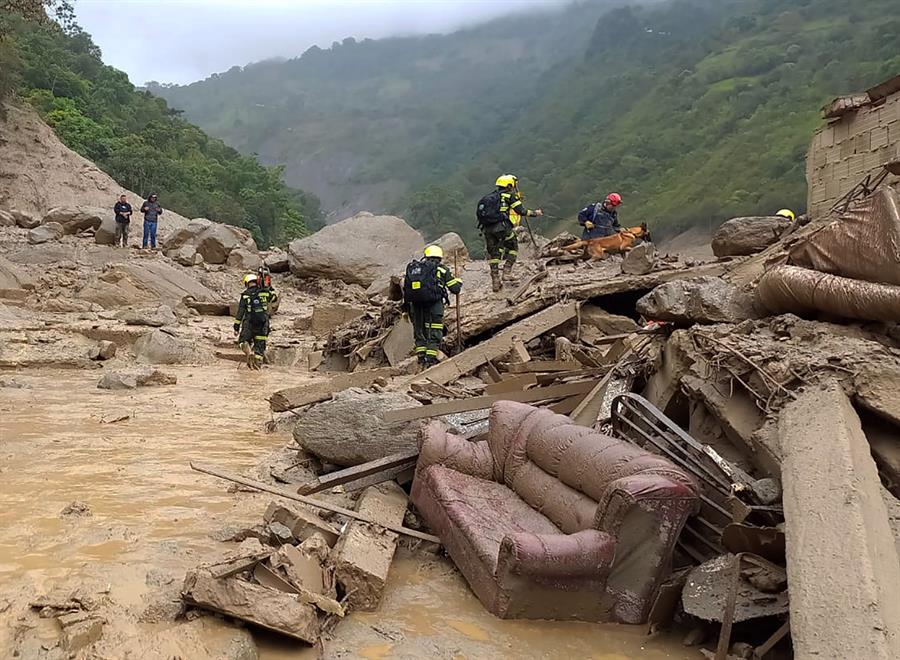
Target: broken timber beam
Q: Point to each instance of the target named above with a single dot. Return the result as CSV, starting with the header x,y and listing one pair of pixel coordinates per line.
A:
x,y
341,477
514,384
842,563
482,402
321,390
258,485
497,346
540,366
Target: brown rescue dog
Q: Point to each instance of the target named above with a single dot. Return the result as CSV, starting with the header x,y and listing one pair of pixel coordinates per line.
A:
x,y
622,241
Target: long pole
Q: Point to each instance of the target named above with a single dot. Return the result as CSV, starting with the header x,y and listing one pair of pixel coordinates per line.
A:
x,y
266,488
459,338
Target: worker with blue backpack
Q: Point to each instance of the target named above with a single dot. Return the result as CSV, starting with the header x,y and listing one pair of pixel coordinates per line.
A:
x,y
426,289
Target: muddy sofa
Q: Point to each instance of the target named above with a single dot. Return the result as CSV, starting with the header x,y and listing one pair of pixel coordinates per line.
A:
x,y
550,520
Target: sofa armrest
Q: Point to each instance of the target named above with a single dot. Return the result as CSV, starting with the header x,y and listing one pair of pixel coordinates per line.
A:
x,y
588,553
438,447
670,496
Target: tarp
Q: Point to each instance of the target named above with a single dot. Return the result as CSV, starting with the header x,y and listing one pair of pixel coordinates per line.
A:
x,y
797,290
863,244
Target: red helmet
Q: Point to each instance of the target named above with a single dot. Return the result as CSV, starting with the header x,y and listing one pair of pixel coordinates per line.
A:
x,y
614,198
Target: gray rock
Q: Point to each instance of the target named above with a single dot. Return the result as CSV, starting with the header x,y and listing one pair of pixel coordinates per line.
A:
x,y
51,231
243,259
278,261
640,260
75,219
160,347
154,316
186,255
129,379
748,235
608,324
24,219
7,219
697,300
217,242
106,232
187,235
451,243
357,250
102,350
349,429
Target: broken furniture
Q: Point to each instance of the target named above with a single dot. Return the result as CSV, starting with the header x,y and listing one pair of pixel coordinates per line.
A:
x,y
548,519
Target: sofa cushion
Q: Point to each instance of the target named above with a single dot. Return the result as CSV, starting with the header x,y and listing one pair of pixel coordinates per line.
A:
x,y
484,511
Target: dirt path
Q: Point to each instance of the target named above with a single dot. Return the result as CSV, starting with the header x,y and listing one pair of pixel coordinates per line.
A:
x,y
151,518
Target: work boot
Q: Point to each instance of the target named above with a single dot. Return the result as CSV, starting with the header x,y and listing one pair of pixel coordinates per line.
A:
x,y
496,282
507,272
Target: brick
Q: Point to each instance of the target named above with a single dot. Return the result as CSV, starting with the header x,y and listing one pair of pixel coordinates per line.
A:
x,y
842,563
302,524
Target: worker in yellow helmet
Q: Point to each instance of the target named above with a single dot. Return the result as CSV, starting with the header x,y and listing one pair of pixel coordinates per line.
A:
x,y
498,214
425,291
787,213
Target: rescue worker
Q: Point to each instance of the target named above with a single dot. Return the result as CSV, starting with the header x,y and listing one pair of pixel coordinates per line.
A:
x,y
264,281
600,218
426,290
251,324
499,213
787,213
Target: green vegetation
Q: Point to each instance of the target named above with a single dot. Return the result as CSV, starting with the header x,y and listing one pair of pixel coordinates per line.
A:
x,y
694,110
138,140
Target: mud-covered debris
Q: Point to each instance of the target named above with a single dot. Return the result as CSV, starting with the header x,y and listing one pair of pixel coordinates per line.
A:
x,y
301,523
131,378
76,509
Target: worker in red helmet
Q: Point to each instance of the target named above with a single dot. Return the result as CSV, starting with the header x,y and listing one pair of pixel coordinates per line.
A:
x,y
600,218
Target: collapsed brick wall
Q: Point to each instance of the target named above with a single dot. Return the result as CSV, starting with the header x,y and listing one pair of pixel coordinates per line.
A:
x,y
848,148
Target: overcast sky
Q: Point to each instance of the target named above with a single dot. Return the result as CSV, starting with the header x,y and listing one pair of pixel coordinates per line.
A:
x,y
186,40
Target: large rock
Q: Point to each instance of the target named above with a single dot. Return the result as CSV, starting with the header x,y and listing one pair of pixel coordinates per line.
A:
x,y
640,260
7,219
144,281
327,316
25,220
749,235
697,300
11,277
128,379
155,317
605,322
51,231
243,259
349,429
187,235
75,219
356,250
161,347
106,232
186,255
218,241
278,261
452,243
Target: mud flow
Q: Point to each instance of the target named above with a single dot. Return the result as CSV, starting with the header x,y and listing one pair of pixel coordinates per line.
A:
x,y
141,518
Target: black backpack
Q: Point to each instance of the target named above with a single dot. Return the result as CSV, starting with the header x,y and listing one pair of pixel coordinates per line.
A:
x,y
421,284
488,209
259,309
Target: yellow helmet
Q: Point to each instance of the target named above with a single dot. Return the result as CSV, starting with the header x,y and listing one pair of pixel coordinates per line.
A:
x,y
506,180
434,251
250,277
787,213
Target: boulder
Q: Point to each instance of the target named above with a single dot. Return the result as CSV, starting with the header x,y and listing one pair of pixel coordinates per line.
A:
x,y
608,324
161,347
128,379
186,255
696,300
451,243
155,317
25,220
356,250
640,260
187,235
217,241
278,261
742,236
106,232
243,259
325,317
11,278
7,219
144,281
103,350
51,231
349,429
75,219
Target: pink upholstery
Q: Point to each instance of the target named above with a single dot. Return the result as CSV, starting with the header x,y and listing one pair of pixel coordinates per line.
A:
x,y
547,519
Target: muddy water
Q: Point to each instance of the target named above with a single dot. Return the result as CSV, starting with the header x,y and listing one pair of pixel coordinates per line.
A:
x,y
151,517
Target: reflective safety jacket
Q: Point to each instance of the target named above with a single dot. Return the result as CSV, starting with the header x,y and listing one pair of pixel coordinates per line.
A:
x,y
254,305
447,281
512,207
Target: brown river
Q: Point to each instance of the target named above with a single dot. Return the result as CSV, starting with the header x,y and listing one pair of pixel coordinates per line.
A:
x,y
150,519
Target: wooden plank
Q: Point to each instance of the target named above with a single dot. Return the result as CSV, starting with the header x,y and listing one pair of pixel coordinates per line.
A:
x,y
481,402
294,397
518,353
397,473
515,384
548,378
566,406
542,365
258,485
497,346
349,474
492,372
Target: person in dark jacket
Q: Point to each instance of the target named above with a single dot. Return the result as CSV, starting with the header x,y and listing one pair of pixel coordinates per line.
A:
x,y
600,218
122,209
500,239
151,210
428,317
251,323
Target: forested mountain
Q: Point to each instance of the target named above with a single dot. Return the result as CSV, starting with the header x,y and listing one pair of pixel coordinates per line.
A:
x,y
693,109
136,138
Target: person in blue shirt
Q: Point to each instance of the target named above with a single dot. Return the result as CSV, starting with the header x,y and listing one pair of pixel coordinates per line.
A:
x,y
600,218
